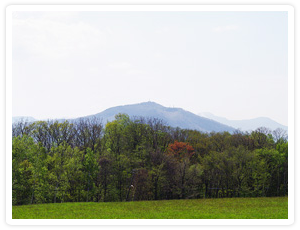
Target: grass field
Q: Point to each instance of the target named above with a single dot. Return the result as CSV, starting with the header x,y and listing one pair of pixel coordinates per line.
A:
x,y
227,208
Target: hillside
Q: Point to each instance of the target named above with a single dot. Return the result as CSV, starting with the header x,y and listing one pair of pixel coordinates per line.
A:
x,y
175,117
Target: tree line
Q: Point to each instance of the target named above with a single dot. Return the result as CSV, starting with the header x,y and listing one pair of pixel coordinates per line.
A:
x,y
131,159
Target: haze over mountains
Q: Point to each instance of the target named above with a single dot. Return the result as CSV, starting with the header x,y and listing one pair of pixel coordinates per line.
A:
x,y
20,118
177,117
248,124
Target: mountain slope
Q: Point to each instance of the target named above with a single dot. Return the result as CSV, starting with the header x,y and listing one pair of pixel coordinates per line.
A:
x,y
174,117
249,124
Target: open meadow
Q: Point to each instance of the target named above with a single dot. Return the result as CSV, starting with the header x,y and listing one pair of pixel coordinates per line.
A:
x,y
225,208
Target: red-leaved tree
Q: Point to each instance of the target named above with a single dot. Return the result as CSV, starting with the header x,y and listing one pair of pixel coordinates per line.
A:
x,y
180,150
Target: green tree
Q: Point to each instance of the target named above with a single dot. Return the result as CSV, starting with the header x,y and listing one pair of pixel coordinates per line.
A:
x,y
104,178
282,148
90,169
74,175
57,165
116,147
23,150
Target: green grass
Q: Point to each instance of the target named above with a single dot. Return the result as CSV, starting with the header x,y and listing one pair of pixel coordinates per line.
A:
x,y
227,208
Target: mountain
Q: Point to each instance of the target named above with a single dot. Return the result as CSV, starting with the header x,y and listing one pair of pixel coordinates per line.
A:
x,y
175,117
247,125
22,118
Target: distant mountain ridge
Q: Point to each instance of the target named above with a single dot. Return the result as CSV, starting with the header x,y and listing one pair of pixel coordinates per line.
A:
x,y
175,117
23,118
247,124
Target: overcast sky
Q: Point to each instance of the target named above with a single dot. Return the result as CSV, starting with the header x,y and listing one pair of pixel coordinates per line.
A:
x,y
71,64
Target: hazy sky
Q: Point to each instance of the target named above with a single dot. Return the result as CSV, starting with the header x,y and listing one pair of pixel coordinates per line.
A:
x,y
71,64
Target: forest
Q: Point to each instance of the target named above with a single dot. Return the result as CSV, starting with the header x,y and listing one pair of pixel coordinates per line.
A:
x,y
140,158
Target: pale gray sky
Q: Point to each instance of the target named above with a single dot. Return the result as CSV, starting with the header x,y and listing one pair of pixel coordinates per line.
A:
x,y
71,64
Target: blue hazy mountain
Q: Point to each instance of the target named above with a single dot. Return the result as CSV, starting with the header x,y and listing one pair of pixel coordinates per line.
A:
x,y
177,117
247,125
23,118
174,117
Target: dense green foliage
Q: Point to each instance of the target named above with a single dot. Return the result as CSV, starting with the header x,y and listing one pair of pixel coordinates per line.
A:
x,y
142,159
227,208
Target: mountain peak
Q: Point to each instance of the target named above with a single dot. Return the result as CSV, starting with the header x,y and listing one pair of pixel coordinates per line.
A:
x,y
149,103
174,117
